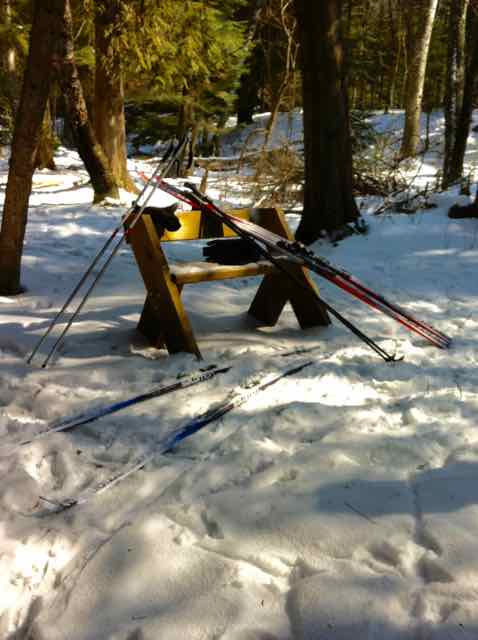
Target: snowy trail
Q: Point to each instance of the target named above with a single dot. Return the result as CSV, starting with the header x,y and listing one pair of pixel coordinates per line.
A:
x,y
341,504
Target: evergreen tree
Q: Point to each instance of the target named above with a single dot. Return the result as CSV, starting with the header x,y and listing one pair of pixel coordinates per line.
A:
x,y
189,54
13,47
251,79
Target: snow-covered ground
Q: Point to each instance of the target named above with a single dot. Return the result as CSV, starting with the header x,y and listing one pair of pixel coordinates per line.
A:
x,y
341,503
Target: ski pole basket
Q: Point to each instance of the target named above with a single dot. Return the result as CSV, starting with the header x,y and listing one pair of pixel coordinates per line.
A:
x,y
164,320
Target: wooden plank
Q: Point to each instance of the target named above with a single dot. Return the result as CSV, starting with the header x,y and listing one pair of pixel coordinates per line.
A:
x,y
211,227
191,226
193,272
305,301
277,288
164,309
270,299
164,319
149,324
273,220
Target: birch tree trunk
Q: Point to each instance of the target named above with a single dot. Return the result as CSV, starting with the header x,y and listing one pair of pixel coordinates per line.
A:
x,y
420,19
45,33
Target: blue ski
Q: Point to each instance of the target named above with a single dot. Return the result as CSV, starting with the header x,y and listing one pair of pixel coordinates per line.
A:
x,y
99,412
169,442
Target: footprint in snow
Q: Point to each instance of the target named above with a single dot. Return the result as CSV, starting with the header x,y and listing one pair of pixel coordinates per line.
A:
x,y
431,571
212,527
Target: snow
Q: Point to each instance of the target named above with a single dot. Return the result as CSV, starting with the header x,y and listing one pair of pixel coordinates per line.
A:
x,y
340,503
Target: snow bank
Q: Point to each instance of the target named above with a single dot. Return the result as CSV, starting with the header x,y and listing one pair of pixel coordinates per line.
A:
x,y
339,504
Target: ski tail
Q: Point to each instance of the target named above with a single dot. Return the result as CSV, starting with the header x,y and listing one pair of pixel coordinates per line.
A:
x,y
427,328
379,303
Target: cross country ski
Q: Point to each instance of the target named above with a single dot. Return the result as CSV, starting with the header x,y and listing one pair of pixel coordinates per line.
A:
x,y
169,442
95,414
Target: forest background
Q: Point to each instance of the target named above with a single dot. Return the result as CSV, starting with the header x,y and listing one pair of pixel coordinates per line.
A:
x,y
96,74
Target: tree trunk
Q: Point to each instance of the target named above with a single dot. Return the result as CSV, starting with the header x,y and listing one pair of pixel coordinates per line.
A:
x,y
395,47
465,117
186,122
284,79
109,115
252,79
250,83
46,147
328,197
91,152
455,86
420,19
45,32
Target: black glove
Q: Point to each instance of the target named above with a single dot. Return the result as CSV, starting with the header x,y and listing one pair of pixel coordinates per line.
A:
x,y
163,217
231,251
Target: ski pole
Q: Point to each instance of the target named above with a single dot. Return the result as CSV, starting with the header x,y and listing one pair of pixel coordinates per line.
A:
x,y
133,214
361,293
97,258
